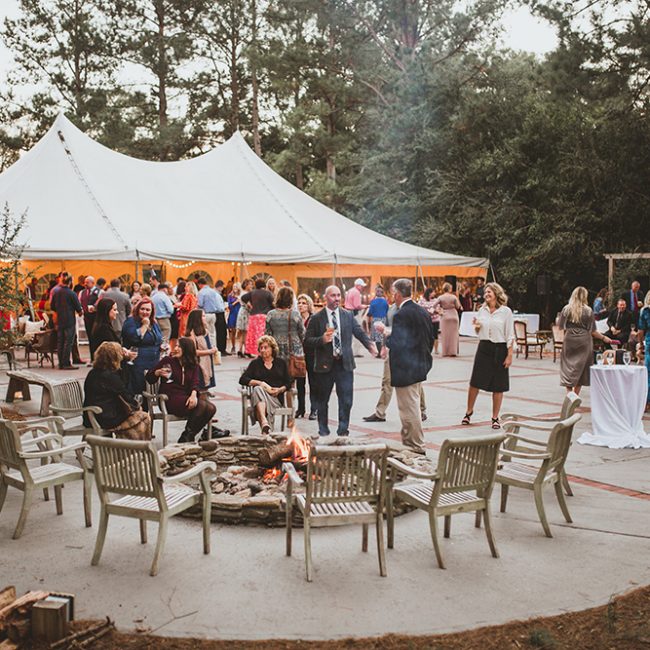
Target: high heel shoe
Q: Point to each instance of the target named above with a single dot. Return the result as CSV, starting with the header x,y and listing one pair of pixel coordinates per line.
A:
x,y
495,423
300,414
466,419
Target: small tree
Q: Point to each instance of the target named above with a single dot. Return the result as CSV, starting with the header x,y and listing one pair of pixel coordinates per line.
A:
x,y
10,255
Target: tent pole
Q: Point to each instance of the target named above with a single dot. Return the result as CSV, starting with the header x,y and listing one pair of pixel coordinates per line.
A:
x,y
137,265
334,273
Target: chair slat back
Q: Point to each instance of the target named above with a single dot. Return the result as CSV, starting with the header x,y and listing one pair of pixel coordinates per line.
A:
x,y
467,464
521,332
10,445
67,395
153,388
558,334
126,467
559,442
570,405
345,474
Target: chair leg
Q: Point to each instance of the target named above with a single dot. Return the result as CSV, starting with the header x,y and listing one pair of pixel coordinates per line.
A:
x,y
307,534
101,537
87,500
289,525
565,484
364,538
27,502
488,530
143,531
58,499
390,518
164,423
381,551
477,519
46,494
540,510
560,499
160,545
504,496
3,493
447,525
433,525
206,524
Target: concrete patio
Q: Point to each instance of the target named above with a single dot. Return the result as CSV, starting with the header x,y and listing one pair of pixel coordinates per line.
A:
x,y
248,589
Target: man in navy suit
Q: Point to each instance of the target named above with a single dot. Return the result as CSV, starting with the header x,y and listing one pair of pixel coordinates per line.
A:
x,y
410,343
329,334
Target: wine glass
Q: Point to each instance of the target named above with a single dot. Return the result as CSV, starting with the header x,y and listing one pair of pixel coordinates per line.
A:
x,y
134,352
627,357
599,358
167,369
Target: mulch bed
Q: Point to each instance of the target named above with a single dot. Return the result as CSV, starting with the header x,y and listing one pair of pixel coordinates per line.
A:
x,y
623,624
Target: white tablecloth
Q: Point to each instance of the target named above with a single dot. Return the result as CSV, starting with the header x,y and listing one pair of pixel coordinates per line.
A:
x,y
618,399
467,329
601,325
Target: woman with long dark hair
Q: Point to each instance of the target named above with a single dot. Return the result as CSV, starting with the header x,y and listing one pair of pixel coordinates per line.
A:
x,y
103,330
306,311
197,330
179,374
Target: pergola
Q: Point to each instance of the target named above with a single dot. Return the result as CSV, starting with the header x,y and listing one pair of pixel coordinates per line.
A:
x,y
611,261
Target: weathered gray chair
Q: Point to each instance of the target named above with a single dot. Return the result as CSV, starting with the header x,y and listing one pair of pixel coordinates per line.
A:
x,y
462,482
157,405
345,485
549,470
285,413
16,472
67,400
129,483
570,405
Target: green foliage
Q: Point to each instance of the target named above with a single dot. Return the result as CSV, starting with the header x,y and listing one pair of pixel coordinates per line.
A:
x,y
540,637
10,255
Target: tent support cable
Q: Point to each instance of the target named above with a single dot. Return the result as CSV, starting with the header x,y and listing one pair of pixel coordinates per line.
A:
x,y
92,197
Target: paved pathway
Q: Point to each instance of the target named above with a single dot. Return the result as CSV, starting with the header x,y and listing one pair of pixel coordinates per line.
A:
x,y
247,588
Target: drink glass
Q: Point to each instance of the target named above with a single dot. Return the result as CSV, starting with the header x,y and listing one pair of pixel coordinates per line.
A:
x,y
627,357
599,358
132,349
167,369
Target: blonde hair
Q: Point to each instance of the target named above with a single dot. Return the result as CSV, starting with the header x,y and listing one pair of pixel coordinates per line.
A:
x,y
499,293
577,303
646,301
446,287
269,340
190,287
309,301
108,356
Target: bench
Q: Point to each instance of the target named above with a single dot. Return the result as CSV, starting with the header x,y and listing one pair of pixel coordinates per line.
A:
x,y
20,381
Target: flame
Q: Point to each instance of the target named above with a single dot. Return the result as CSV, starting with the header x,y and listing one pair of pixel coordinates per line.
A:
x,y
271,475
299,445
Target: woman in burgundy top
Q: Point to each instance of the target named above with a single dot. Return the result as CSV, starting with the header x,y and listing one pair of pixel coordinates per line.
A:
x,y
179,380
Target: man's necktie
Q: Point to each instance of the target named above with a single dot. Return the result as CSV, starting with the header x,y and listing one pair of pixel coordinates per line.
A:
x,y
337,338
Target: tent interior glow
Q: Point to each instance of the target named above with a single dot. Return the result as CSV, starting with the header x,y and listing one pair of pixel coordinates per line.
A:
x,y
225,213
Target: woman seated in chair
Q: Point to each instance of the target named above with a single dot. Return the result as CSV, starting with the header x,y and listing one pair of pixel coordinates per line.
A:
x,y
179,380
268,376
105,388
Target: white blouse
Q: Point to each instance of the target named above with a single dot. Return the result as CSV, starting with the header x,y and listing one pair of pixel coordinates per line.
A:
x,y
498,326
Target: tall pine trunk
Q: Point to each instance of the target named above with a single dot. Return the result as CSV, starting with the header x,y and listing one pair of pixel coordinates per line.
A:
x,y
257,142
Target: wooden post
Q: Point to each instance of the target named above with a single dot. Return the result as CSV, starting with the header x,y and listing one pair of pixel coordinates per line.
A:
x,y
610,273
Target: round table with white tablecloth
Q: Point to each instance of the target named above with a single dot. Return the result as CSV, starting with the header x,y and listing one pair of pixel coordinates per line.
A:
x,y
618,398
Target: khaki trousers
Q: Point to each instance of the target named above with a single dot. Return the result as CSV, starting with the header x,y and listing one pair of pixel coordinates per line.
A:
x,y
210,321
408,403
387,394
165,328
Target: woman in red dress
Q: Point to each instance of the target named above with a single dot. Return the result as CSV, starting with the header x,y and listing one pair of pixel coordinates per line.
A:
x,y
188,303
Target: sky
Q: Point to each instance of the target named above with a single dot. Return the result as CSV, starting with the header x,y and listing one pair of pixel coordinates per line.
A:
x,y
522,31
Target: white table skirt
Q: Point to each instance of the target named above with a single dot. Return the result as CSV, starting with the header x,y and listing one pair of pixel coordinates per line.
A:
x,y
618,399
601,325
467,329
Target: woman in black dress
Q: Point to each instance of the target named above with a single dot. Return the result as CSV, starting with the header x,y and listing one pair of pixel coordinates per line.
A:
x,y
494,324
105,315
268,375
306,310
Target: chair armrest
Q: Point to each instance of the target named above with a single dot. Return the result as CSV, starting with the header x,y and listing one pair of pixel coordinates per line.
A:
x,y
530,455
51,452
405,469
291,472
43,420
524,418
48,436
531,441
83,409
198,469
526,425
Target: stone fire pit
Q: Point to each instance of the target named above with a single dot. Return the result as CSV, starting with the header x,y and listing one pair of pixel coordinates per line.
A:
x,y
245,492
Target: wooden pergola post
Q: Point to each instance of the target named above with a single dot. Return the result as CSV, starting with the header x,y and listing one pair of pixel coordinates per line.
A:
x,y
611,260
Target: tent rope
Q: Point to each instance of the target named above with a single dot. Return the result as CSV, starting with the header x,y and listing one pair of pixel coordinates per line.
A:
x,y
93,198
277,200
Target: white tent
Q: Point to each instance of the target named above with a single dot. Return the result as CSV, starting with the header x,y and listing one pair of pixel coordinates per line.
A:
x,y
87,202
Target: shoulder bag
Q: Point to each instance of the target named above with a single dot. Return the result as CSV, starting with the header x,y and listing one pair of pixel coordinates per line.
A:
x,y
137,425
297,365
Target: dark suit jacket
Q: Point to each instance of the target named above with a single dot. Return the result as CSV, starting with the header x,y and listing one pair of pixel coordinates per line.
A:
x,y
410,344
324,352
625,321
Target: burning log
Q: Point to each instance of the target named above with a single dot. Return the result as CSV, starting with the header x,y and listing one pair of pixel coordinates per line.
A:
x,y
274,454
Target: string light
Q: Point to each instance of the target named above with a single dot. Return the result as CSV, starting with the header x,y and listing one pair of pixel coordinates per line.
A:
x,y
180,266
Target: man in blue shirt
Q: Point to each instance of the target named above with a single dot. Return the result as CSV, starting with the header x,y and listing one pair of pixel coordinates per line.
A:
x,y
164,309
211,302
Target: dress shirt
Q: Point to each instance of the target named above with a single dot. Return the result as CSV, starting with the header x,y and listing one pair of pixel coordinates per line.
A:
x,y
210,301
163,304
498,327
338,323
353,299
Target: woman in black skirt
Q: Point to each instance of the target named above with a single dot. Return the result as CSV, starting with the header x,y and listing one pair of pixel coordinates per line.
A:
x,y
494,325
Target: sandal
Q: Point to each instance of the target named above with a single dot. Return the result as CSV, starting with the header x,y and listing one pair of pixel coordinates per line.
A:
x,y
266,429
465,420
495,423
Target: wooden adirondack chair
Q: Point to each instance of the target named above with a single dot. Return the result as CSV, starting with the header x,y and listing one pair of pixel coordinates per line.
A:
x,y
128,479
462,482
570,405
549,470
16,472
285,413
345,485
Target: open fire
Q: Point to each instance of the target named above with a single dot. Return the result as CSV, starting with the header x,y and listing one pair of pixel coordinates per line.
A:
x,y
294,450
